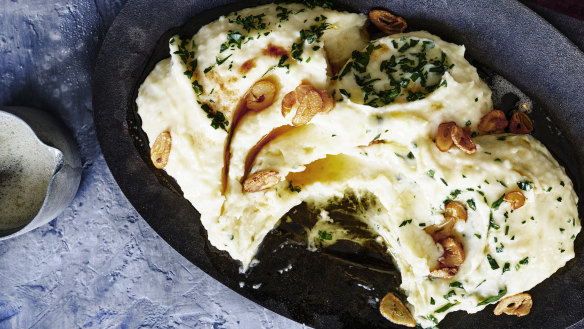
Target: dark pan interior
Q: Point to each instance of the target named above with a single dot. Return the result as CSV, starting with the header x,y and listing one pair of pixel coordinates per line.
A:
x,y
341,286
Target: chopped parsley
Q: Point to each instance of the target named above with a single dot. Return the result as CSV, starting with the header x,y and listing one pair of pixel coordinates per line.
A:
x,y
405,222
309,36
525,185
492,222
431,173
324,235
345,93
221,61
506,267
478,235
284,13
432,301
411,74
251,22
446,307
449,294
492,262
218,120
208,69
234,38
444,181
318,3
431,318
498,203
493,299
471,204
456,284
524,261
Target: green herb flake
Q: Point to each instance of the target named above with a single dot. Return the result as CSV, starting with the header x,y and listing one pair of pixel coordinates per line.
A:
x,y
208,69
507,230
405,222
197,88
443,181
431,173
559,199
478,235
324,235
492,222
251,22
492,262
411,156
498,203
431,318
218,119
221,61
471,204
432,301
562,183
456,284
345,93
493,299
525,185
446,307
449,294
524,261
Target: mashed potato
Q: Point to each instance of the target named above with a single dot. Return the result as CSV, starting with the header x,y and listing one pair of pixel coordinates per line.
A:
x,y
390,96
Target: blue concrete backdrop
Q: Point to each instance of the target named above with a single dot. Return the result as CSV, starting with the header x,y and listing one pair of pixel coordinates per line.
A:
x,y
99,265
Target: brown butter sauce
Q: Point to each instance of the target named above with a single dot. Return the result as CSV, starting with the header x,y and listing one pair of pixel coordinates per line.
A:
x,y
239,114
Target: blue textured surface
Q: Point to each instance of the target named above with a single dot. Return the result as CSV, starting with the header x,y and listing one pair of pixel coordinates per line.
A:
x,y
98,265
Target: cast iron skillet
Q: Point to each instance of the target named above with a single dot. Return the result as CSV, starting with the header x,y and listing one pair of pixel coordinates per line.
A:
x,y
325,289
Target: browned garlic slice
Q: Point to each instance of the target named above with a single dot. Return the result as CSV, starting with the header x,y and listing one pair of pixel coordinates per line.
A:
x,y
395,311
519,305
161,149
387,22
493,121
261,180
261,95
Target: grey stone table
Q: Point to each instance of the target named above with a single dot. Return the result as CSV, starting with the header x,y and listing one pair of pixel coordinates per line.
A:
x,y
99,265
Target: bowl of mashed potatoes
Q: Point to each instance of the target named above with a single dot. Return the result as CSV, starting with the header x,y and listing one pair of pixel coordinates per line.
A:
x,y
273,124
